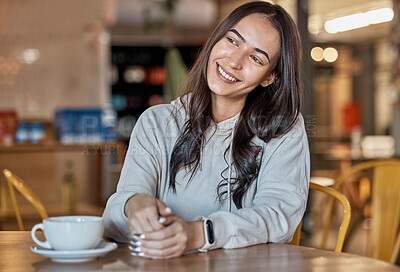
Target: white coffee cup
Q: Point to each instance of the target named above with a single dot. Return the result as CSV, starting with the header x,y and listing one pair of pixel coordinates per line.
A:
x,y
70,232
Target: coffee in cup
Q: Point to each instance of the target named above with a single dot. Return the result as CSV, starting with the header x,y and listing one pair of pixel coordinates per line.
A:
x,y
70,232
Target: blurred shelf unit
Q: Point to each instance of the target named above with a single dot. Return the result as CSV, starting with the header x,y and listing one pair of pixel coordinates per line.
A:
x,y
138,75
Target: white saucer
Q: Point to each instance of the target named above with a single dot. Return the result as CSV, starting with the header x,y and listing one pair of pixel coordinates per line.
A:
x,y
75,256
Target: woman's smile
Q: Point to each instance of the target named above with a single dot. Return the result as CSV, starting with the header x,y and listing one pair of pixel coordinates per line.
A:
x,y
225,75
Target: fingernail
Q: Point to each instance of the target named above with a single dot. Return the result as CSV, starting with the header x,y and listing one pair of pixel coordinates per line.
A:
x,y
134,248
161,220
139,236
168,209
136,243
140,254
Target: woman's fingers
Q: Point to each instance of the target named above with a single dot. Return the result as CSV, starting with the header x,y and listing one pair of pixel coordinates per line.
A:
x,y
171,241
170,252
158,239
163,209
146,221
164,233
143,213
157,232
154,223
155,249
167,220
153,244
150,221
158,249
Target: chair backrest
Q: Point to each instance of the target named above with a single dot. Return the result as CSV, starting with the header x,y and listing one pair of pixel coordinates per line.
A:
x,y
17,183
396,250
385,198
345,220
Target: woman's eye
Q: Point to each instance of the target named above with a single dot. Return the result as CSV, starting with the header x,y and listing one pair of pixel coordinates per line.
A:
x,y
232,41
257,60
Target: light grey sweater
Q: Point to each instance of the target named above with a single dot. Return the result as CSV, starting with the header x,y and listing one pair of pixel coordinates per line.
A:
x,y
272,207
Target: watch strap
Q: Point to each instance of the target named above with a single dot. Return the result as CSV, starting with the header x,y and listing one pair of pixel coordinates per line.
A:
x,y
208,228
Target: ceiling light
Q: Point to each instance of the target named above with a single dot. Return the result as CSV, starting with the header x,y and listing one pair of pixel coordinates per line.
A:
x,y
330,54
359,20
30,55
313,28
380,15
317,53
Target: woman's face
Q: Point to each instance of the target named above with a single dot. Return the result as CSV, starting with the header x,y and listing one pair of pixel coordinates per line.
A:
x,y
243,59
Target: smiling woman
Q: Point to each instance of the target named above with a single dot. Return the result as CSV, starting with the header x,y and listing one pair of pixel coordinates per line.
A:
x,y
226,165
236,59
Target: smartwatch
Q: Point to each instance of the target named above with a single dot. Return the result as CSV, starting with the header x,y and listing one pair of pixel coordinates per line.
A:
x,y
208,234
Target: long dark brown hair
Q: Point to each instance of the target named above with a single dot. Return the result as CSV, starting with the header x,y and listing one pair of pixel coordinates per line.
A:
x,y
268,111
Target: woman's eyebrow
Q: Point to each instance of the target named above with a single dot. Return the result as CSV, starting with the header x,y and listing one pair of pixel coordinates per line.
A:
x,y
238,34
241,37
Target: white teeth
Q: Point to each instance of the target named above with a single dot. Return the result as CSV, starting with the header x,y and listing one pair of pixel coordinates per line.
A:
x,y
225,75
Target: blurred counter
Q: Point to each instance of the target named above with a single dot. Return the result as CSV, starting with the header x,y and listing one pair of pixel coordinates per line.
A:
x,y
42,166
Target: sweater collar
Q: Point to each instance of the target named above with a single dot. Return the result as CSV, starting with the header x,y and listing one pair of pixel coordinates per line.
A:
x,y
228,124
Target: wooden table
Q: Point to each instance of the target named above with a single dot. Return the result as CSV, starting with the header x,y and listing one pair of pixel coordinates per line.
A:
x,y
15,255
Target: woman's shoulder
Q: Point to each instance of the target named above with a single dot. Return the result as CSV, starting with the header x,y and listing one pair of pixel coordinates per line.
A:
x,y
159,111
298,129
163,115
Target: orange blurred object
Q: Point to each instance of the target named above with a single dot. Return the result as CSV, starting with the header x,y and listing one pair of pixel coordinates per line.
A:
x,y
351,117
8,126
155,75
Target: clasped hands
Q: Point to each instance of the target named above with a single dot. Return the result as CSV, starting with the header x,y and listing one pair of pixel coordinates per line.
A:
x,y
157,232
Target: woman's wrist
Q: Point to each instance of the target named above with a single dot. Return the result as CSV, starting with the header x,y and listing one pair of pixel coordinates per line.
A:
x,y
197,240
128,203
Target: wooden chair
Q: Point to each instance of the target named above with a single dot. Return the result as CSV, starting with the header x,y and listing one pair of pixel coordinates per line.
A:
x,y
396,250
346,215
385,203
17,183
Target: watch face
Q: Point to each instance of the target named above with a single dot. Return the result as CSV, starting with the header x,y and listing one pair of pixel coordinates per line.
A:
x,y
210,231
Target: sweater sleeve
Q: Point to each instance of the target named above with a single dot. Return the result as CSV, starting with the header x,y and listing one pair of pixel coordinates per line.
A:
x,y
139,174
280,198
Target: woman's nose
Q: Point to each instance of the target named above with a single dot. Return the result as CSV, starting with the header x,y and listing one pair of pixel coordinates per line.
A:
x,y
235,60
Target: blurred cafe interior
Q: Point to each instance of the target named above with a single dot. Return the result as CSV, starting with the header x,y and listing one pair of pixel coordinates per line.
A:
x,y
75,75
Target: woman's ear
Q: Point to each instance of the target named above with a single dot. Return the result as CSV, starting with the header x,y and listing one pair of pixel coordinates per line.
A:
x,y
269,80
